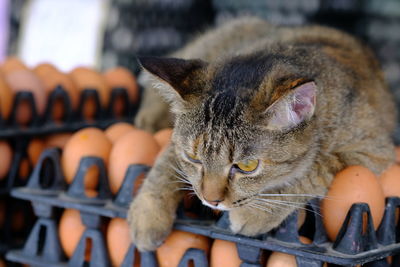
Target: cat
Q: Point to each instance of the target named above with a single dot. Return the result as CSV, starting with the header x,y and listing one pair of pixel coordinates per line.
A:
x,y
264,117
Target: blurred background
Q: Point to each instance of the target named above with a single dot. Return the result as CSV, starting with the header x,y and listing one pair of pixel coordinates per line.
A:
x,y
107,33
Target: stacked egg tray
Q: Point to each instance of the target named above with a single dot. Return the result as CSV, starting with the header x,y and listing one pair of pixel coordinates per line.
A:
x,y
47,192
72,119
17,217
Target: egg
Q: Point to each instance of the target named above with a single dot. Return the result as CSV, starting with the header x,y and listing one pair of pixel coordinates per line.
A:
x,y
57,140
86,78
119,241
351,185
2,212
12,64
279,259
224,253
27,81
120,77
52,78
397,149
24,168
6,153
35,148
163,137
172,250
6,99
70,230
135,147
86,142
18,220
390,181
117,130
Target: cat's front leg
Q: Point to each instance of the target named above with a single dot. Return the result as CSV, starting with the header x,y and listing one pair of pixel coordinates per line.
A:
x,y
251,221
152,212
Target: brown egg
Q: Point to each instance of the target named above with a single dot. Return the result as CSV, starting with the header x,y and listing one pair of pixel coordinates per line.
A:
x,y
117,130
35,148
163,137
397,149
70,230
390,181
224,253
26,80
86,78
24,169
51,78
86,142
121,77
12,64
2,212
352,185
6,153
18,220
135,147
172,250
57,140
279,259
6,98
118,241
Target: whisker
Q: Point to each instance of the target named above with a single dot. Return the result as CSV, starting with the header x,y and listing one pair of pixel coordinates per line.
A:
x,y
254,205
298,195
183,189
274,205
296,205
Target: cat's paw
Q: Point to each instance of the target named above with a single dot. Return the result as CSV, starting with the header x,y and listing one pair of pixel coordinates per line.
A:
x,y
149,222
250,222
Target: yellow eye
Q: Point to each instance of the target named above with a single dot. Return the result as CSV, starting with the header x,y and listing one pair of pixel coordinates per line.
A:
x,y
193,158
248,165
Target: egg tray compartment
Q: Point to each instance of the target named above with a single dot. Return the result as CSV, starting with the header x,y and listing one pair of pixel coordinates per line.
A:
x,y
13,179
351,247
72,119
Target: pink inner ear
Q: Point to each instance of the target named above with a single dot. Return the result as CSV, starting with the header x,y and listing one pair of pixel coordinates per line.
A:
x,y
304,101
294,108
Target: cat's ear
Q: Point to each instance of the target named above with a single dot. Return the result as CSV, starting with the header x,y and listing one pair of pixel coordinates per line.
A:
x,y
178,73
294,108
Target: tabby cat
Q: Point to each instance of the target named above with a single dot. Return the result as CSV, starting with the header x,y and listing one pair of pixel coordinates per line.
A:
x,y
264,116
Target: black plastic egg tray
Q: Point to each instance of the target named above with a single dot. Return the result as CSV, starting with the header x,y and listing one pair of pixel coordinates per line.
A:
x,y
47,192
72,119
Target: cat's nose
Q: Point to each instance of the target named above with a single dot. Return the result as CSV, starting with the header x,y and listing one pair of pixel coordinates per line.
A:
x,y
214,202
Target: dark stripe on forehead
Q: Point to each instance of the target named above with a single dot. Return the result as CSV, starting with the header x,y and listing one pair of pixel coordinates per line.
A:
x,y
234,84
243,73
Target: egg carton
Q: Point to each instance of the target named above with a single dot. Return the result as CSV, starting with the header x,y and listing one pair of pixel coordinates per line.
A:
x,y
47,191
73,119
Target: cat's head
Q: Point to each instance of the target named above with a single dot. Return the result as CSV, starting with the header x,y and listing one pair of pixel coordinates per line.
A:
x,y
244,126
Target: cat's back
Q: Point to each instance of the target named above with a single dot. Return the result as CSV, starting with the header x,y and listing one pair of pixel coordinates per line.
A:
x,y
343,65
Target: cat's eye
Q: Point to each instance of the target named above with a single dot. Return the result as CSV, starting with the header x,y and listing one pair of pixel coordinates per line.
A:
x,y
192,157
248,166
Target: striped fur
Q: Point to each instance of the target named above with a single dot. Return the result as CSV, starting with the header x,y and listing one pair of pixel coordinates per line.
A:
x,y
223,109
